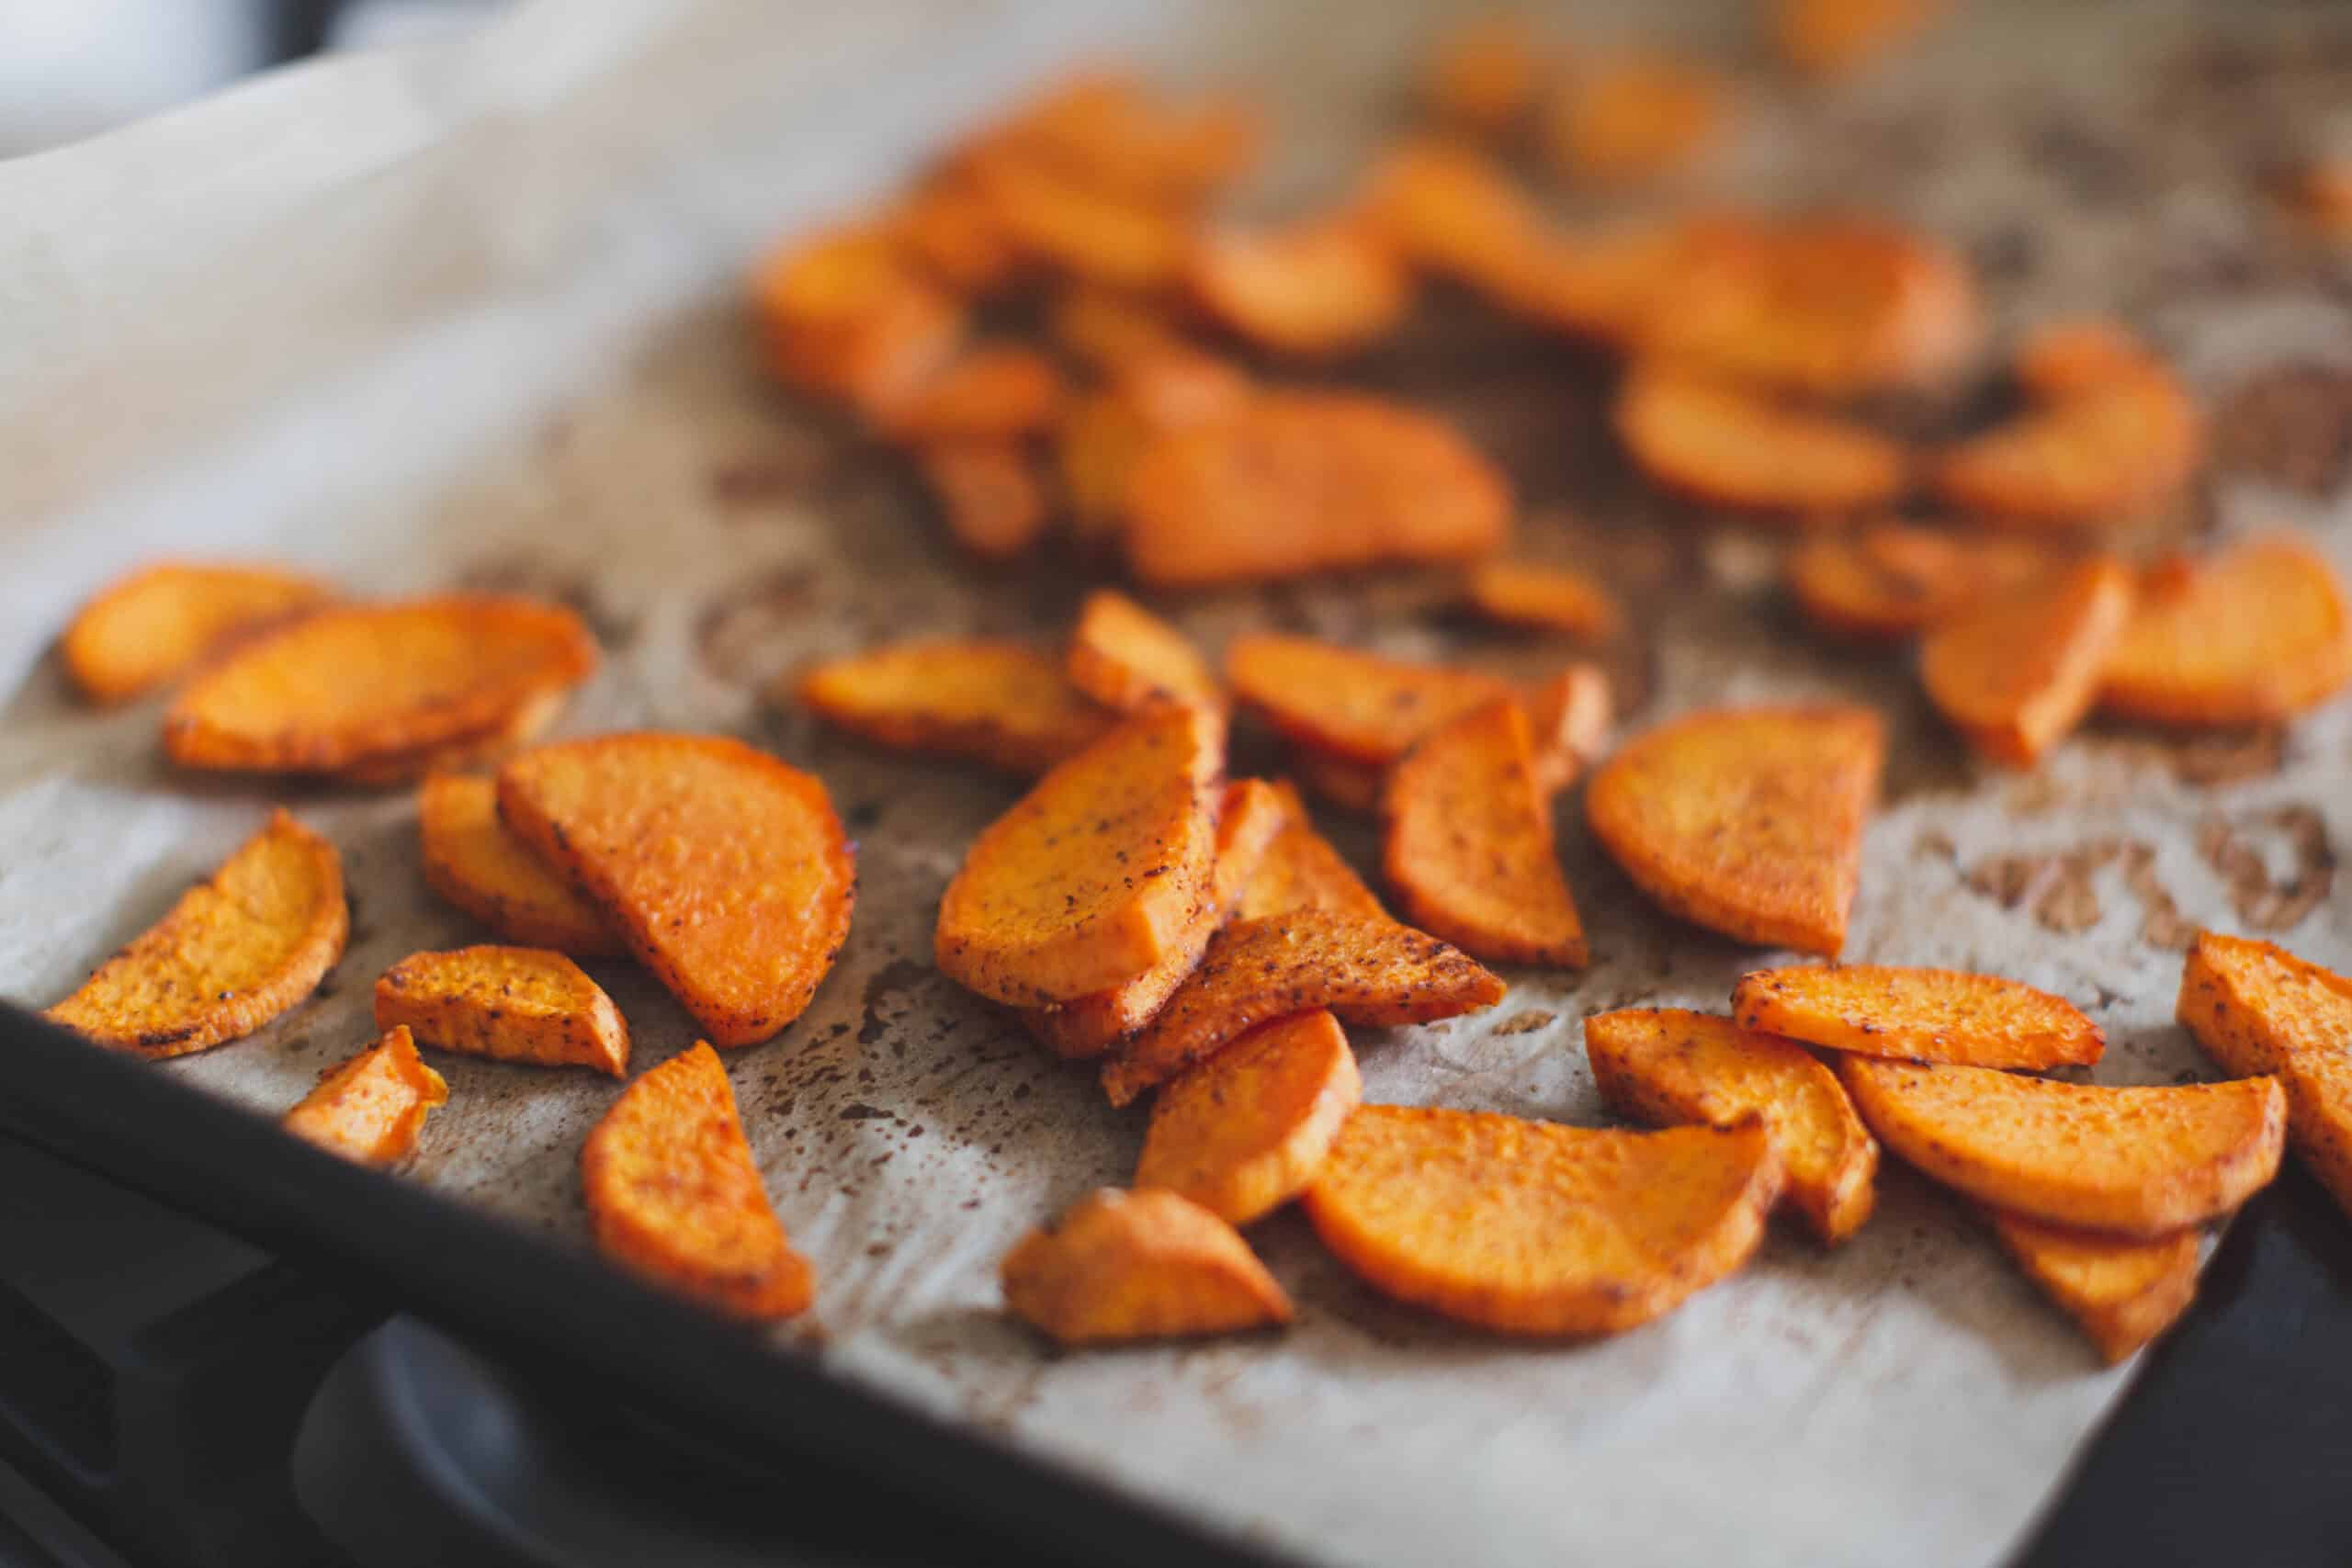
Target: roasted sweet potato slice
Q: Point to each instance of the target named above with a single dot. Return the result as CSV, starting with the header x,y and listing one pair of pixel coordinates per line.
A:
x,y
1242,1133
1093,878
163,621
1622,121
1830,38
1748,821
1103,129
2060,360
997,703
990,494
1108,432
1483,75
950,230
371,1108
1535,1228
1667,1066
1327,286
361,683
1892,580
848,315
1597,285
1109,330
2123,1291
2256,1008
1568,717
674,1196
474,863
1146,1265
1339,781
1082,231
1302,870
2255,634
2017,674
1545,599
511,1004
997,392
234,953
1292,483
1125,657
484,749
1922,1015
2143,1161
1451,211
1365,972
725,871
1349,704
1723,443
1468,848
2093,454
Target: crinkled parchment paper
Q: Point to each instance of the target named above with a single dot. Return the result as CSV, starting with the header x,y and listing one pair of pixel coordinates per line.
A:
x,y
465,316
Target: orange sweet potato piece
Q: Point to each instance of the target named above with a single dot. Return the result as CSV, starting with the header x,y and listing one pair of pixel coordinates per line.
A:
x,y
1146,1265
674,1196
1923,1015
1597,285
1634,119
2097,445
1125,657
2255,634
2017,672
234,953
1450,210
2256,1008
1530,1227
1340,780
1292,483
1830,38
1302,870
511,1004
1109,330
483,749
1350,705
371,1108
1545,598
1483,75
848,315
163,621
997,703
997,393
1666,1064
1243,1133
726,870
1107,432
1892,580
950,230
1468,847
1103,129
1723,443
2319,195
1748,821
1084,233
1093,878
474,863
2143,1161
1365,972
1310,289
2123,1292
990,494
2059,359
1568,717
361,683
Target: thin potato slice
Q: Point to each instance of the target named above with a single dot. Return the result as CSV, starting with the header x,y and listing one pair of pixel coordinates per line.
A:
x,y
1893,581
2143,1161
1469,849
990,494
1107,434
1530,1227
1545,599
234,953
491,747
1293,483
1451,210
1633,119
1483,75
1747,821
1830,38
1921,1015
1666,1066
1351,704
511,1004
674,1196
1147,1264
1365,972
2089,456
371,1108
1125,658
1083,233
1724,445
2121,1291
163,621
1569,716
357,685
1001,392
997,703
848,315
2256,635
2256,1008
2015,674
1596,284
1302,870
726,870
1312,289
474,863
1093,878
1243,1133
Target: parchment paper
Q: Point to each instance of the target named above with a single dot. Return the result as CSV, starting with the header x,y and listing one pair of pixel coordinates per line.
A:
x,y
465,316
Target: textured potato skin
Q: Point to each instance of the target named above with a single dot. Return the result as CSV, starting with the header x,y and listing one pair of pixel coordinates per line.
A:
x,y
1244,1131
1922,1015
511,1004
1146,1265
372,1108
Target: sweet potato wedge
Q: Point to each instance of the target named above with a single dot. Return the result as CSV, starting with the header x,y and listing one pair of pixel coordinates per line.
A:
x,y
1242,1133
1109,330
1451,211
371,1108
1302,870
1730,446
1530,1227
997,703
1107,432
234,953
485,749
1666,1066
1482,76
2091,456
1468,846
2123,1292
950,230
511,1004
1342,782
2256,1008
725,871
1568,717
1309,290
2143,1161
1125,657
360,684
1920,1015
474,863
849,316
1892,580
1147,1264
674,1196
1545,599
990,494
1349,704
1622,121
2059,359
1365,972
1084,233
1831,38
1595,284
1104,130
163,621
2255,634
2017,674
1093,878
1748,821
1293,483
999,392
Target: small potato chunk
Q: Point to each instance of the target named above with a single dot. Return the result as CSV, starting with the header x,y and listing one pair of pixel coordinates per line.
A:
x,y
1000,393
1666,1066
1530,1227
2123,1292
2255,634
474,863
1125,657
997,703
234,953
2097,447
1730,446
1483,75
511,1004
1748,821
163,621
674,1196
1892,580
1244,1131
1922,1015
1354,705
1634,119
1545,599
1302,870
1147,1265
2143,1161
1310,290
371,1108
990,494
2015,674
